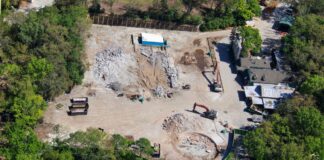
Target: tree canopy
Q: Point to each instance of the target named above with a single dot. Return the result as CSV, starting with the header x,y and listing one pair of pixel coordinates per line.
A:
x,y
251,41
298,135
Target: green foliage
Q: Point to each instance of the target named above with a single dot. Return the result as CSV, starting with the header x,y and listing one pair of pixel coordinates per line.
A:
x,y
298,134
254,6
312,85
304,46
251,42
56,155
191,4
22,143
308,6
231,13
39,68
145,146
218,23
41,57
309,121
192,19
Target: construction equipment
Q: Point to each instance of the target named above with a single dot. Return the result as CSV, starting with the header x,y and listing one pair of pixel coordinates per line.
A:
x,y
157,150
79,106
216,86
210,114
186,87
79,100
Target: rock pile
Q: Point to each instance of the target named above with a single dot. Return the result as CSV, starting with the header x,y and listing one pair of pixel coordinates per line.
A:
x,y
113,66
197,145
179,123
159,91
166,62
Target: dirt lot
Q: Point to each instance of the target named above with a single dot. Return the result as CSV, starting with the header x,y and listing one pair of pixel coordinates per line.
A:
x,y
121,115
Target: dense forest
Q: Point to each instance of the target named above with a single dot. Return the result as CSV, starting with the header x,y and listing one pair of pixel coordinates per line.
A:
x,y
41,56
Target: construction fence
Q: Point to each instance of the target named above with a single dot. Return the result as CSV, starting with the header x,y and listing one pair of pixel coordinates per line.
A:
x,y
115,20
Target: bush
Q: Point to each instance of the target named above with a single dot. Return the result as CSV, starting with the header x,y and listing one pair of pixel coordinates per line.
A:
x,y
192,19
251,41
218,23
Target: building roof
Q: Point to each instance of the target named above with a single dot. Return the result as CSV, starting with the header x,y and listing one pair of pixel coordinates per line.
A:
x,y
267,95
148,37
257,100
269,103
255,63
276,91
252,91
266,76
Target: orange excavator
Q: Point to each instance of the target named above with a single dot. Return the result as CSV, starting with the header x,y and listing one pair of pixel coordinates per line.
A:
x,y
210,114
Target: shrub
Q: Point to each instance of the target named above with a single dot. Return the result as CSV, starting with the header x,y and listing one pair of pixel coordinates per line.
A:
x,y
218,23
251,41
192,19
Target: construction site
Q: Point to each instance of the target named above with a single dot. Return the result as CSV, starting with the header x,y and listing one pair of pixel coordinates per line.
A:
x,y
175,88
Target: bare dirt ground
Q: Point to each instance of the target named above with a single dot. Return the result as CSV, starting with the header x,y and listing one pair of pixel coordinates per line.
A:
x,y
121,115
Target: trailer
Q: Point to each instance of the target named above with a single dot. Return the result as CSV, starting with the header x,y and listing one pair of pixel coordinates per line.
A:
x,y
79,100
79,106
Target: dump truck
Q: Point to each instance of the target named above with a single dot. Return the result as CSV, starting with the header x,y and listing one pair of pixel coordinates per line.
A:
x,y
210,114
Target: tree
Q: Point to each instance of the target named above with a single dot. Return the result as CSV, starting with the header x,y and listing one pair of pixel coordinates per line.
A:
x,y
312,85
309,121
298,134
251,42
304,46
191,4
145,146
22,143
308,6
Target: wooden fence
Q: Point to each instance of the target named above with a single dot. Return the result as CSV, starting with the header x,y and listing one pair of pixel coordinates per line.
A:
x,y
116,20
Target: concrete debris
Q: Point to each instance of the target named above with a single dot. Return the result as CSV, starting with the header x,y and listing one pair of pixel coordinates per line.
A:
x,y
146,51
116,86
197,145
179,123
114,68
159,91
160,58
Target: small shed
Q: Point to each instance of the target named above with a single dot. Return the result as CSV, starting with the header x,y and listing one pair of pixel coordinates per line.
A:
x,y
152,39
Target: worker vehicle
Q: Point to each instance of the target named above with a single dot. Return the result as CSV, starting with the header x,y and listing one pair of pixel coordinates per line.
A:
x,y
210,114
215,83
157,150
186,87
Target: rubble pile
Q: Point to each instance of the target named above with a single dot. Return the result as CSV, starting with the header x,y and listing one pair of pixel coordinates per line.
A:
x,y
159,91
113,66
179,123
166,62
198,145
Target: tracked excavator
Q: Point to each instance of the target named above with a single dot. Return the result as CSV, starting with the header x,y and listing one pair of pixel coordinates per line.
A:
x,y
210,114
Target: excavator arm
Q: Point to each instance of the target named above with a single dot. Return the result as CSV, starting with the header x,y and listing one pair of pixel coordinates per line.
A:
x,y
201,106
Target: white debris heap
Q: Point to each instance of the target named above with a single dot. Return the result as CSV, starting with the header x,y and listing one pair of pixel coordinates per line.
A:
x,y
113,65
